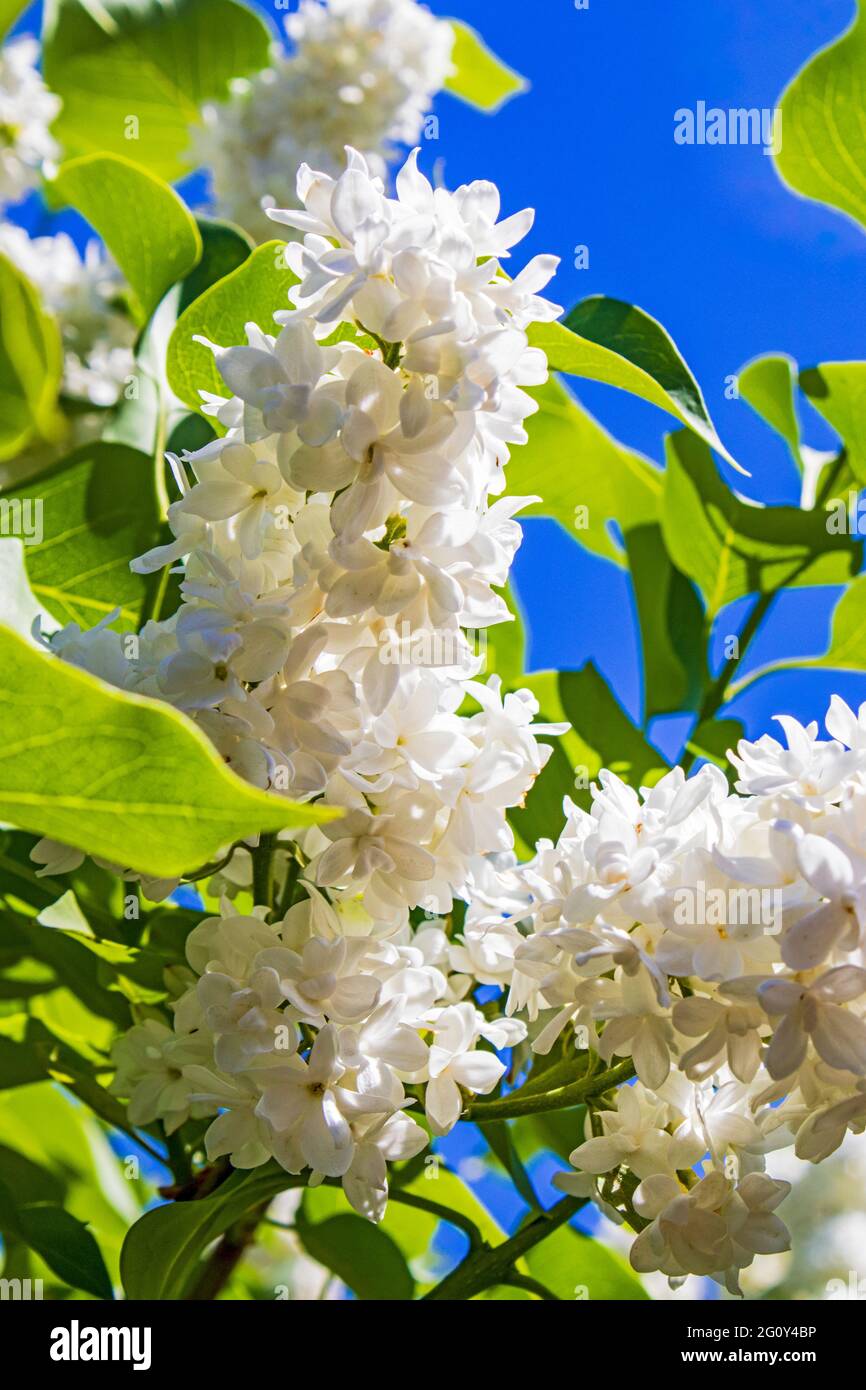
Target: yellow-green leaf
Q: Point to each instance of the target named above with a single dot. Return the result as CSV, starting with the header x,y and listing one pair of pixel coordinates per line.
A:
x,y
479,77
31,363
116,775
99,509
769,384
584,477
251,294
147,228
837,390
618,344
823,116
134,74
731,547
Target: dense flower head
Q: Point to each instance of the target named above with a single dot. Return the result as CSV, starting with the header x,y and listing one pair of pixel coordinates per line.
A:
x,y
27,109
359,72
337,546
715,938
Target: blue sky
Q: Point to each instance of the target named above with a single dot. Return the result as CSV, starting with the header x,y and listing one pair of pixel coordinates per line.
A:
x,y
705,238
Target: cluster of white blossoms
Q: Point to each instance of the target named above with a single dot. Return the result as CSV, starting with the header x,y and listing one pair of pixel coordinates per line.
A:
x,y
716,940
337,542
694,955
361,73
84,293
27,109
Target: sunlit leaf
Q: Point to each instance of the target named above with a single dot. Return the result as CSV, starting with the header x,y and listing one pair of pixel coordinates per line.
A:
x,y
149,231
479,77
128,779
823,111
134,74
616,343
731,547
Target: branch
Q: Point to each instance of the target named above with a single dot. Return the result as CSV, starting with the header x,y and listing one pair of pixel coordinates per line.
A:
x,y
524,1281
509,1107
442,1213
486,1267
222,1263
263,875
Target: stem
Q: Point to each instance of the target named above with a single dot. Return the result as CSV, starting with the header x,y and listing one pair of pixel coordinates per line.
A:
x,y
716,694
263,871
557,1099
454,1218
288,895
226,1257
486,1267
524,1281
208,870
832,472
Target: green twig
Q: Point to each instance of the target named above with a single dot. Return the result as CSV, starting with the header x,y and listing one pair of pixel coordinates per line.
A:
x,y
524,1281
442,1213
263,871
559,1098
486,1267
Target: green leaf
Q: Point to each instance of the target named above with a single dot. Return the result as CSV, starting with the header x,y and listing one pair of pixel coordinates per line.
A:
x,y
712,739
128,779
823,113
224,248
250,294
63,1242
498,1135
162,1250
560,1131
602,735
19,1066
671,625
362,1255
31,364
72,963
616,343
731,547
769,385
30,1181
574,1266
480,78
46,1125
440,1185
148,229
847,649
9,13
506,642
99,510
133,74
838,391
586,480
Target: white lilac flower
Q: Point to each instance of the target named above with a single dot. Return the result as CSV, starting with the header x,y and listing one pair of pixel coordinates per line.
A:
x,y
359,72
27,109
